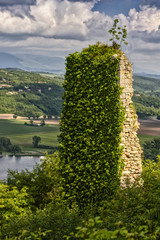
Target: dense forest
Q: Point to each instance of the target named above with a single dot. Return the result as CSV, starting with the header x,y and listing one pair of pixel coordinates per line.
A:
x,y
30,94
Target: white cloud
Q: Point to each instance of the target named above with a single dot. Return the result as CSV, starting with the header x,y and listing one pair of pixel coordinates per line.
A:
x,y
143,37
52,26
52,18
148,19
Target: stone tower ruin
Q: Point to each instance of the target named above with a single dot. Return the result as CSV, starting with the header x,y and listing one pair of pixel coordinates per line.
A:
x,y
129,140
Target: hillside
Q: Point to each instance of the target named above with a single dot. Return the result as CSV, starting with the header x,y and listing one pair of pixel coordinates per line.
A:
x,y
33,94
30,94
146,84
146,96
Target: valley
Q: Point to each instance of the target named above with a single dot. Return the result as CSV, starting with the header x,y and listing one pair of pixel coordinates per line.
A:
x,y
28,96
22,135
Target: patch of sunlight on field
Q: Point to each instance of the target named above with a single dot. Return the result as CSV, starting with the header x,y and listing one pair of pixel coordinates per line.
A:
x,y
21,134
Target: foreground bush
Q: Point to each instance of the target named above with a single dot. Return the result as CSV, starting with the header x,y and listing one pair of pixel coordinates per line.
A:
x,y
43,183
133,213
55,221
13,204
92,230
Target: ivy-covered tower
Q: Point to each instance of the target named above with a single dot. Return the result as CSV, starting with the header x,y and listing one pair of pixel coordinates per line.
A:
x,y
92,138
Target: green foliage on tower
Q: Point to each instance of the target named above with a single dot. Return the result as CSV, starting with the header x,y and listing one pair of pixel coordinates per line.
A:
x,y
91,123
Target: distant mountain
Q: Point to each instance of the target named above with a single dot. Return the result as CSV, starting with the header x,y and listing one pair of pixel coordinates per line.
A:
x,y
33,63
147,75
8,60
42,63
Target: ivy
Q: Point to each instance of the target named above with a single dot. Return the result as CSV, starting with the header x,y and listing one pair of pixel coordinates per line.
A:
x,y
91,123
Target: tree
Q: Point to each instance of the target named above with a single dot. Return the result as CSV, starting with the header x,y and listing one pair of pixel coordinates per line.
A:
x,y
14,148
37,115
43,123
118,34
158,116
49,116
15,116
31,122
36,141
5,142
151,149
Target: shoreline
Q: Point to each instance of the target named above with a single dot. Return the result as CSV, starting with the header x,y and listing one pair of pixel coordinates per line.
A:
x,y
24,154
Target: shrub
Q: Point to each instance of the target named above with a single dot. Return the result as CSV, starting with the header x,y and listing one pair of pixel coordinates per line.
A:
x,y
36,141
13,203
43,183
132,214
13,148
15,116
43,123
6,145
55,220
92,229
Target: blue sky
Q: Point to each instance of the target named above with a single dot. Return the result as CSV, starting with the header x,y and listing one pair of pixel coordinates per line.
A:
x,y
59,27
113,7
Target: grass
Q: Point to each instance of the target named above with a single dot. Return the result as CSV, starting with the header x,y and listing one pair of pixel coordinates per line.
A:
x,y
22,135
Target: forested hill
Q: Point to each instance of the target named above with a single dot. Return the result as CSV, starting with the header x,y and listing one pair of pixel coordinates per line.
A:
x,y
146,96
30,94
33,94
146,84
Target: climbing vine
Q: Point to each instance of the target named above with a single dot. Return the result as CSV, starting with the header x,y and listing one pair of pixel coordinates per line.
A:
x,y
91,124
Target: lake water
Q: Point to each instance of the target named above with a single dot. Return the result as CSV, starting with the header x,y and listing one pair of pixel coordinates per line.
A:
x,y
16,162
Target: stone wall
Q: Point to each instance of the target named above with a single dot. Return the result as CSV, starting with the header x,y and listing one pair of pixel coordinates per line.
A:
x,y
132,150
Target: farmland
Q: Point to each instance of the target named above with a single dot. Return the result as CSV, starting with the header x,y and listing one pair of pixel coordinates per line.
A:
x,y
22,135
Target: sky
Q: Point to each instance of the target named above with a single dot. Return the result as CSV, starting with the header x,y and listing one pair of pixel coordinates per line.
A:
x,y
60,27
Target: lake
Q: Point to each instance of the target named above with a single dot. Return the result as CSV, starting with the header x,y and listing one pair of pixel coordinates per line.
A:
x,y
16,162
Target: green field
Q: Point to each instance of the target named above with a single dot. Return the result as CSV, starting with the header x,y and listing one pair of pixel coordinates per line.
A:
x,y
21,135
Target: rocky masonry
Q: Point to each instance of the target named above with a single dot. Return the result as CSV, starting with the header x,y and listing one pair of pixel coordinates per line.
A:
x,y
132,150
